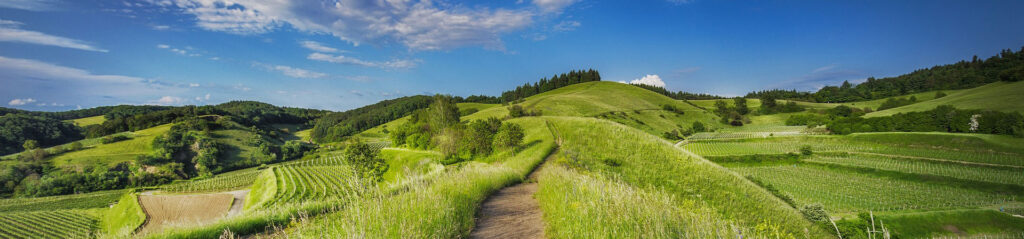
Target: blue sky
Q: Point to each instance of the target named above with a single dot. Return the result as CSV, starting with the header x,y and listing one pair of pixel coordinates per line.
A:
x,y
337,55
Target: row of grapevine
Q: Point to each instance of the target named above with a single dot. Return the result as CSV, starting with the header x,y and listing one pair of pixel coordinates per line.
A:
x,y
74,201
46,224
842,191
319,161
307,183
914,166
228,181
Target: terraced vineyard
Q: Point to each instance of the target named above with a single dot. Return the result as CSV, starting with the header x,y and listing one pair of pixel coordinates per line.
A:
x,y
46,224
78,201
223,182
842,191
918,166
313,182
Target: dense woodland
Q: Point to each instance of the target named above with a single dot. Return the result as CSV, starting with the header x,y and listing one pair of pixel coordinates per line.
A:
x,y
548,84
337,126
438,127
1006,66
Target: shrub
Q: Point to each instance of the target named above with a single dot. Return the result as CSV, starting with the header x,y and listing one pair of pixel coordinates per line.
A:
x,y
806,150
815,213
113,138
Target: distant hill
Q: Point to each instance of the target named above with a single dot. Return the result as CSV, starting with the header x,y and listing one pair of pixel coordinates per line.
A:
x,y
998,96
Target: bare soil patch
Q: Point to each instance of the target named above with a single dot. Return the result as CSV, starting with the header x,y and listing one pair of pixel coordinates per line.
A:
x,y
169,210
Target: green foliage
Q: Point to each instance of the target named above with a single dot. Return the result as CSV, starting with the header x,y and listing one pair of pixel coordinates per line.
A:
x,y
364,160
510,135
806,150
941,119
679,95
516,111
897,102
336,126
815,213
263,190
113,138
76,201
770,106
17,129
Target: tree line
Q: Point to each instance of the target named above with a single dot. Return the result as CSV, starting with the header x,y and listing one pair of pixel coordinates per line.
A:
x,y
337,126
679,95
1005,66
941,119
548,84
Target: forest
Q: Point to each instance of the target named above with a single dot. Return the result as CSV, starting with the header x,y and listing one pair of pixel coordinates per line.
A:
x,y
1006,66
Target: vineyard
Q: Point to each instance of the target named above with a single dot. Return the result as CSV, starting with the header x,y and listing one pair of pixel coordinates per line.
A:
x,y
77,201
311,182
916,166
841,191
223,182
46,224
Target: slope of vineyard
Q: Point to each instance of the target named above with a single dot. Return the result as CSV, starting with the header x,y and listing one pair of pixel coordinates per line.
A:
x,y
76,201
220,182
46,224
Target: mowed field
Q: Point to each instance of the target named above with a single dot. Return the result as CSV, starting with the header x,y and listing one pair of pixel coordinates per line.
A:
x,y
87,121
164,211
140,143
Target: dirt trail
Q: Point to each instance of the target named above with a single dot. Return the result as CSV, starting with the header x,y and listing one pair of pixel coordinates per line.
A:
x,y
512,212
239,200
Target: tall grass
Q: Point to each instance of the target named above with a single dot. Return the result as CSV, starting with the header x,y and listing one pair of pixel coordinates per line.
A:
x,y
648,162
582,206
442,205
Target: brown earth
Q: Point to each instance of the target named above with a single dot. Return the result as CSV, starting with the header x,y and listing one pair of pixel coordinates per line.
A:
x,y
512,212
169,210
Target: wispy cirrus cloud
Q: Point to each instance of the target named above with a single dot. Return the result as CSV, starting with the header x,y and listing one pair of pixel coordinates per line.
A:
x,y
340,59
417,24
318,47
30,5
292,71
10,31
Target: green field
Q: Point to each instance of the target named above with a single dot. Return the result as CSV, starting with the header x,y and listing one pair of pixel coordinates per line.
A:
x,y
111,154
87,121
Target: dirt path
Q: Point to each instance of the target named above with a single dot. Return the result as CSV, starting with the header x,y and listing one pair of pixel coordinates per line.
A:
x,y
239,200
512,212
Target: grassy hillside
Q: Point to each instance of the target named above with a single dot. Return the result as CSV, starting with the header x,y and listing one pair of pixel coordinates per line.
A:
x,y
999,96
707,192
110,154
626,104
87,121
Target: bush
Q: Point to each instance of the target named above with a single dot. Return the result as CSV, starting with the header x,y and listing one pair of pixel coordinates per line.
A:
x,y
815,213
806,150
113,138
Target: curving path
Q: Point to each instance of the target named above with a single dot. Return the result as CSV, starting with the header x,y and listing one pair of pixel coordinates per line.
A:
x,y
512,212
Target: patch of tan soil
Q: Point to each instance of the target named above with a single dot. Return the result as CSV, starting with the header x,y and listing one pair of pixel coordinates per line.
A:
x,y
954,230
169,210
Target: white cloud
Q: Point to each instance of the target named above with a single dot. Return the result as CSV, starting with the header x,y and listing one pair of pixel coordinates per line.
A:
x,y
340,59
565,26
680,2
316,46
162,46
193,84
207,97
161,27
30,5
553,5
417,24
41,70
651,80
17,102
10,32
292,71
169,100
